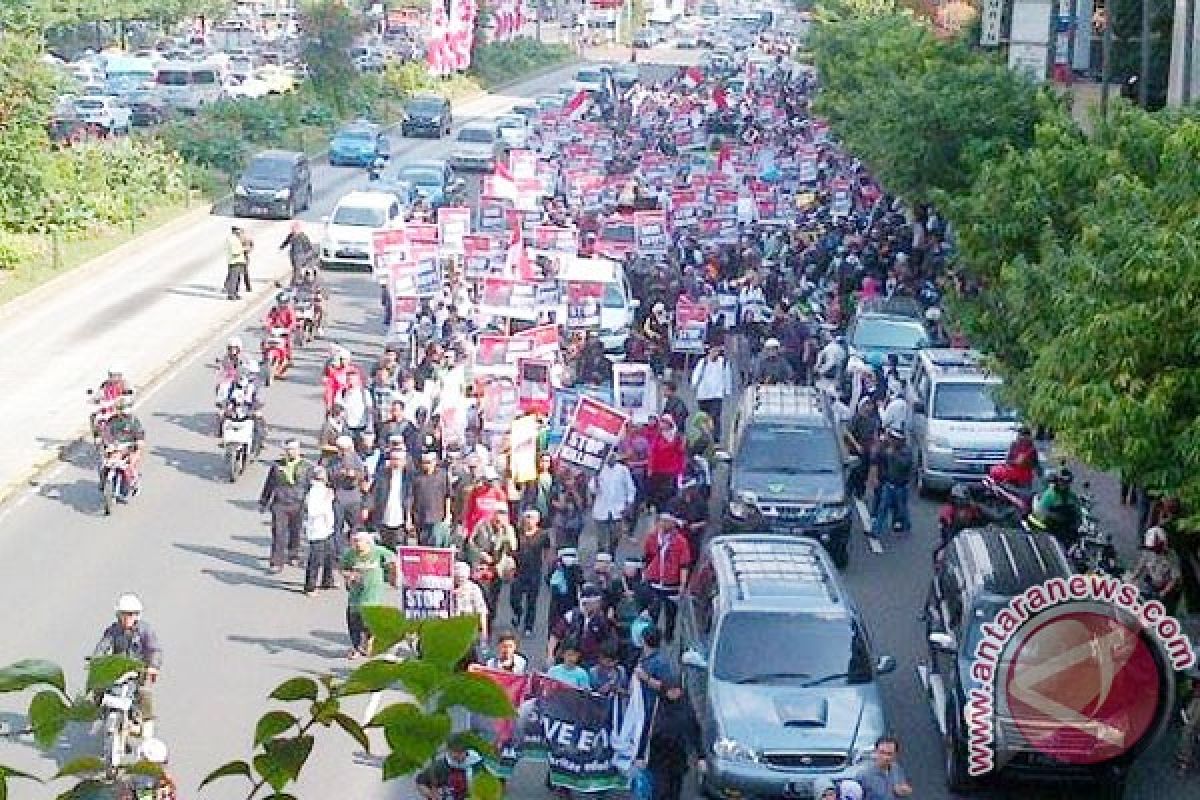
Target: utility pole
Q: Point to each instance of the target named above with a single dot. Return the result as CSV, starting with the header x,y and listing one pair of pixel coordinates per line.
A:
x,y
1106,59
1189,41
1144,78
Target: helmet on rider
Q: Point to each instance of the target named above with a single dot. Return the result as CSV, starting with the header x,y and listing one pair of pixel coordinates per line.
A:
x,y
283,298
959,493
154,751
1155,539
129,603
234,343
933,314
115,372
1061,477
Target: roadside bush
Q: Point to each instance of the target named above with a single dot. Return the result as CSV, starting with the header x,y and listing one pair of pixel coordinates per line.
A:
x,y
17,249
501,62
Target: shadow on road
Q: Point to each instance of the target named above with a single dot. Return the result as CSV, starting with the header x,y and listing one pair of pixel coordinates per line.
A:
x,y
222,554
294,644
81,496
262,581
207,465
201,422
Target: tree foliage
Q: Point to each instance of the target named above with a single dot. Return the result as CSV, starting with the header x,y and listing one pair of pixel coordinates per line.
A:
x,y
330,28
1080,252
284,739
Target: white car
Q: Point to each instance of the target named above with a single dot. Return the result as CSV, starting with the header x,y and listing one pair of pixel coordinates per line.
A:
x,y
591,78
348,238
514,130
277,79
477,146
105,112
237,87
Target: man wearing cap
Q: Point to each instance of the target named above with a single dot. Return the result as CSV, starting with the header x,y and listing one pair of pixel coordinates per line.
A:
x,y
348,475
667,556
614,496
283,493
365,568
431,497
892,472
772,367
468,597
392,498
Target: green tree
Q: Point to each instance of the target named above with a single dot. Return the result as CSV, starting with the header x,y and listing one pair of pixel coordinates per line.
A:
x,y
29,96
285,738
330,28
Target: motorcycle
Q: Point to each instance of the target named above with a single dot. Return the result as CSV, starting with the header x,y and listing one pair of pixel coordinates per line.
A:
x,y
118,707
276,355
308,318
239,436
114,473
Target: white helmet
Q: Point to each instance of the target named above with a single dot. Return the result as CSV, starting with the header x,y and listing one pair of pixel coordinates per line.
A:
x,y
1154,538
933,314
154,751
235,341
129,603
116,370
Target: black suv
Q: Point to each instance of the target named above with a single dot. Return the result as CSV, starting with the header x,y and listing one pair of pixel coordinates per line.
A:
x,y
427,115
788,469
276,183
982,570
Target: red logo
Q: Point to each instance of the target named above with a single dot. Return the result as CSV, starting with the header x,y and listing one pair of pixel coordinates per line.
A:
x,y
1081,686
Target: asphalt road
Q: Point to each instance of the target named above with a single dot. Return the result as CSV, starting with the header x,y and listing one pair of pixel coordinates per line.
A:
x,y
194,547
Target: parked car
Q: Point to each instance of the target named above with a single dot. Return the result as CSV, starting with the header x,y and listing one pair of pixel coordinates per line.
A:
x,y
787,469
278,79
427,114
147,108
237,87
625,75
778,663
359,144
348,238
434,181
547,103
66,128
276,183
478,146
106,113
645,38
882,329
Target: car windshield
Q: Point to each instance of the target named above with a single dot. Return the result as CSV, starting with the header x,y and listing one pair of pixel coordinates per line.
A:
x,y
970,402
173,77
89,105
483,135
613,296
356,135
269,169
788,450
421,177
589,76
511,122
618,232
425,107
878,333
360,216
550,101
806,649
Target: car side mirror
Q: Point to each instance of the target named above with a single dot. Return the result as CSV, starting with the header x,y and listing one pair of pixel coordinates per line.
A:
x,y
885,664
943,642
693,659
918,407
724,456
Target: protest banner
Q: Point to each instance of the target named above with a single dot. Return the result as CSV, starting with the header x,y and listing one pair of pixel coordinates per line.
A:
x,y
454,224
635,391
405,309
391,247
594,431
426,581
556,239
806,156
421,232
575,729
492,218
685,207
482,256
428,268
523,447
498,403
841,201
691,326
583,304
535,393
650,230
508,297
491,355
500,732
522,164
540,341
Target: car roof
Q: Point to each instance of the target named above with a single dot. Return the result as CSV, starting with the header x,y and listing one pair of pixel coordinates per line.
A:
x,y
427,163
426,97
479,126
1002,563
953,365
784,404
766,571
367,198
277,155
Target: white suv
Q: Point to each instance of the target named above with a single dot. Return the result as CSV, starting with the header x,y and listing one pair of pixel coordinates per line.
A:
x,y
348,239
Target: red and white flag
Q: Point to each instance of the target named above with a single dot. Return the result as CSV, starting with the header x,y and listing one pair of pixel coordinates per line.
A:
x,y
693,77
720,98
577,105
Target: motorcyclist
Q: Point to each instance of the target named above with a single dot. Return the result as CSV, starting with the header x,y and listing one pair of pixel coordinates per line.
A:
x,y
773,367
281,316
130,636
1057,510
105,396
243,401
957,515
1158,573
1021,465
125,430
232,362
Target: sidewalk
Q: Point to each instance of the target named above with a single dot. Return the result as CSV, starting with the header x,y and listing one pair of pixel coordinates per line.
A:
x,y
145,307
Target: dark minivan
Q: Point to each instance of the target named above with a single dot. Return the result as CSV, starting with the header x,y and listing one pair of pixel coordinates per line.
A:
x,y
427,115
276,183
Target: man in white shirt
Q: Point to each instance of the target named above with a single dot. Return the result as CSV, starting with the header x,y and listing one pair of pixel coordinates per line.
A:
x,y
895,413
831,360
712,379
615,495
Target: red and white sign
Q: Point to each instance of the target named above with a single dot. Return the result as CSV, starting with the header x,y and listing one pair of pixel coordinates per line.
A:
x,y
594,431
453,225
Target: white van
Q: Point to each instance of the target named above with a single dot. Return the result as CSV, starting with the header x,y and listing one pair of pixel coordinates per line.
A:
x,y
618,305
189,86
349,236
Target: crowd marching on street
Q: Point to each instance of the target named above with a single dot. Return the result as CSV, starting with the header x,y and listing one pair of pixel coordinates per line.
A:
x,y
563,494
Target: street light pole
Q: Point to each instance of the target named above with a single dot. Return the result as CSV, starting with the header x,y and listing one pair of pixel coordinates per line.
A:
x,y
1106,60
1189,41
1144,78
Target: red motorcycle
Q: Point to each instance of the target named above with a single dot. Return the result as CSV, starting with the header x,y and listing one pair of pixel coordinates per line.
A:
x,y
276,354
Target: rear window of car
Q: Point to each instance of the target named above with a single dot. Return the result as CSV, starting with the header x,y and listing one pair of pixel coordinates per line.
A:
x,y
483,135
